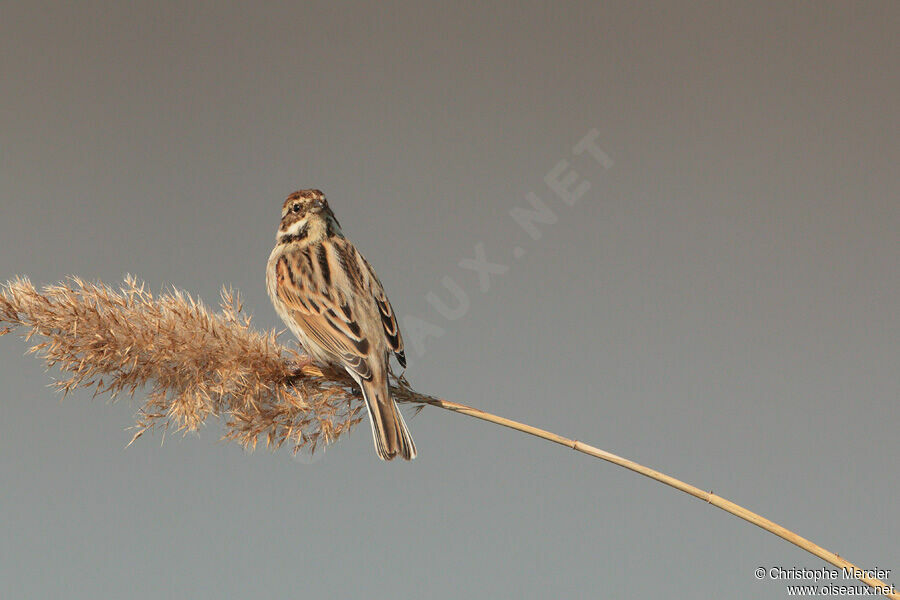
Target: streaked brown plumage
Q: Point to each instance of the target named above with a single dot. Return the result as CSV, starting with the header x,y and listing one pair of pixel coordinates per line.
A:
x,y
330,298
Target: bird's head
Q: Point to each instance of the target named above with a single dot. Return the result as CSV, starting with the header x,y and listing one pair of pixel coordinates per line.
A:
x,y
305,215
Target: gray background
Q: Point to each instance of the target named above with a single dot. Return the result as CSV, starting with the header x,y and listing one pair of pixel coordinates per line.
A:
x,y
721,304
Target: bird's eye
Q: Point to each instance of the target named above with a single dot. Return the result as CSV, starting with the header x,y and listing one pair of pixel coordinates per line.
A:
x,y
296,208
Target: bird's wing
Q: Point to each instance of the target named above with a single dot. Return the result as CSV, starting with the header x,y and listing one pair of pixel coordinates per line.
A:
x,y
391,328
388,318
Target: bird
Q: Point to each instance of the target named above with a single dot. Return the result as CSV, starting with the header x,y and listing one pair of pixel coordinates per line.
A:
x,y
328,295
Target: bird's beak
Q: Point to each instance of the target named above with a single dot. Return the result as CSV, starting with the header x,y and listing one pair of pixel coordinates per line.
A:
x,y
317,205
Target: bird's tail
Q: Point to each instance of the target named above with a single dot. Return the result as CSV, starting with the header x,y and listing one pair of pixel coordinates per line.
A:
x,y
389,430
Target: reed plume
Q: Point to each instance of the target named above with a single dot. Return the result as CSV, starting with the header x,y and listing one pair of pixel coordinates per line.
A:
x,y
199,363
195,362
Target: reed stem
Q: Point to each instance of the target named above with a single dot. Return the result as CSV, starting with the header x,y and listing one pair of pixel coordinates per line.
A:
x,y
718,501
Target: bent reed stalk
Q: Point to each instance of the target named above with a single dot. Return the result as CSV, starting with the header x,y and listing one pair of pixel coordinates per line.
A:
x,y
200,363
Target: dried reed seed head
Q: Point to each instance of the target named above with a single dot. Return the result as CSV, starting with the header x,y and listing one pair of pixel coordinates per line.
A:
x,y
196,363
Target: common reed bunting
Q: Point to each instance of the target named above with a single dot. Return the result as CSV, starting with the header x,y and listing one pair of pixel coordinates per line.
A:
x,y
330,298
